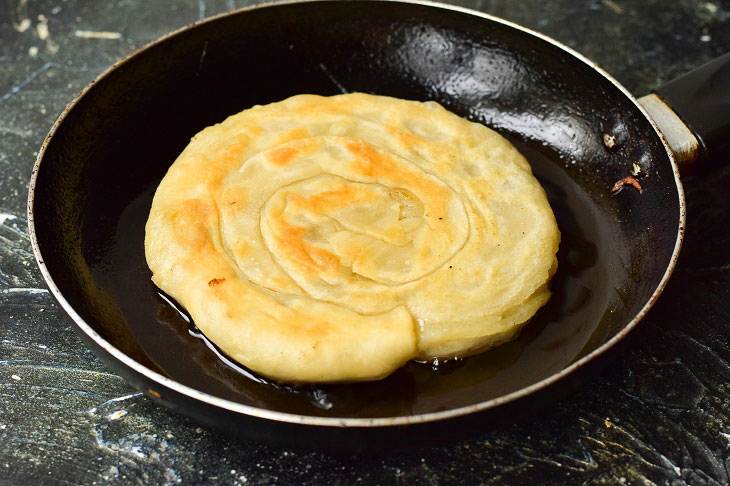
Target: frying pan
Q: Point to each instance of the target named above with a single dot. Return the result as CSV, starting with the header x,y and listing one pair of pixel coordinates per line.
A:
x,y
582,132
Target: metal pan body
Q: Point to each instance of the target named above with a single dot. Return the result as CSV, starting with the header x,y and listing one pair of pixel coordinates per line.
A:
x,y
581,131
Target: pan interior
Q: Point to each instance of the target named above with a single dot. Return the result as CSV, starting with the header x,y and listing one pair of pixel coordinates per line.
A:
x,y
101,168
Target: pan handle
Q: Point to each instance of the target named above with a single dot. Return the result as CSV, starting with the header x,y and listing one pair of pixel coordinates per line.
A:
x,y
693,111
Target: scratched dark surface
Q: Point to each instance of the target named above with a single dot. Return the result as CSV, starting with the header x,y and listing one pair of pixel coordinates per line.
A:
x,y
660,415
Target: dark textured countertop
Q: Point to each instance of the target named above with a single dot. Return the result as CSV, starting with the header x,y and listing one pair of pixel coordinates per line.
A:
x,y
660,414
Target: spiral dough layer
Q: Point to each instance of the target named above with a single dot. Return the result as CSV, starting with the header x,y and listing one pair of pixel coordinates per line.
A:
x,y
326,239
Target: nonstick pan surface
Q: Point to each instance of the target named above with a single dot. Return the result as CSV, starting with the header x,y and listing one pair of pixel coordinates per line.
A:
x,y
97,171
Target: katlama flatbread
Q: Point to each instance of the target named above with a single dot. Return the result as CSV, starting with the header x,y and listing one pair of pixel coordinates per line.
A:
x,y
330,239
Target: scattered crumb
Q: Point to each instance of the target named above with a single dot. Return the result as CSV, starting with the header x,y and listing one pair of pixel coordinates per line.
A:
x,y
92,34
614,6
23,25
42,29
628,180
117,415
711,7
33,51
609,140
636,169
15,377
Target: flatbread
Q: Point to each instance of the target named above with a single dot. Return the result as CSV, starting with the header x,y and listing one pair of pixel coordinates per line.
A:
x,y
329,239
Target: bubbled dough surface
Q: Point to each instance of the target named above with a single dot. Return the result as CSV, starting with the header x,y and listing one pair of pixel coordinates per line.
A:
x,y
324,239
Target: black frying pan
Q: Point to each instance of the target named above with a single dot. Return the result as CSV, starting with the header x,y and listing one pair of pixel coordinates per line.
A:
x,y
582,132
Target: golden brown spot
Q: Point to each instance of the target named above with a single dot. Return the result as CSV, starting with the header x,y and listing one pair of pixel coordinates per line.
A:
x,y
319,329
291,239
189,223
317,106
371,163
282,156
233,150
322,258
253,129
406,138
215,281
235,195
285,155
280,281
241,248
226,159
327,201
295,134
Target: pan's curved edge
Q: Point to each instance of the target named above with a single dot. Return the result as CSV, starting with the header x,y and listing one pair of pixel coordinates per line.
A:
x,y
327,421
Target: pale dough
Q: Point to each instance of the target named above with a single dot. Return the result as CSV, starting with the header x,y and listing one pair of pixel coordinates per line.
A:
x,y
327,239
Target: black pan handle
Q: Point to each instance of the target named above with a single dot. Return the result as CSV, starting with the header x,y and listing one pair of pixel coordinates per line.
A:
x,y
701,99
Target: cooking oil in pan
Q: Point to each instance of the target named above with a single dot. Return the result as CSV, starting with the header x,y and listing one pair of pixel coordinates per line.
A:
x,y
574,321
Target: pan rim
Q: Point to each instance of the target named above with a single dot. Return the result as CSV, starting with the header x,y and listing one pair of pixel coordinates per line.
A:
x,y
285,417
